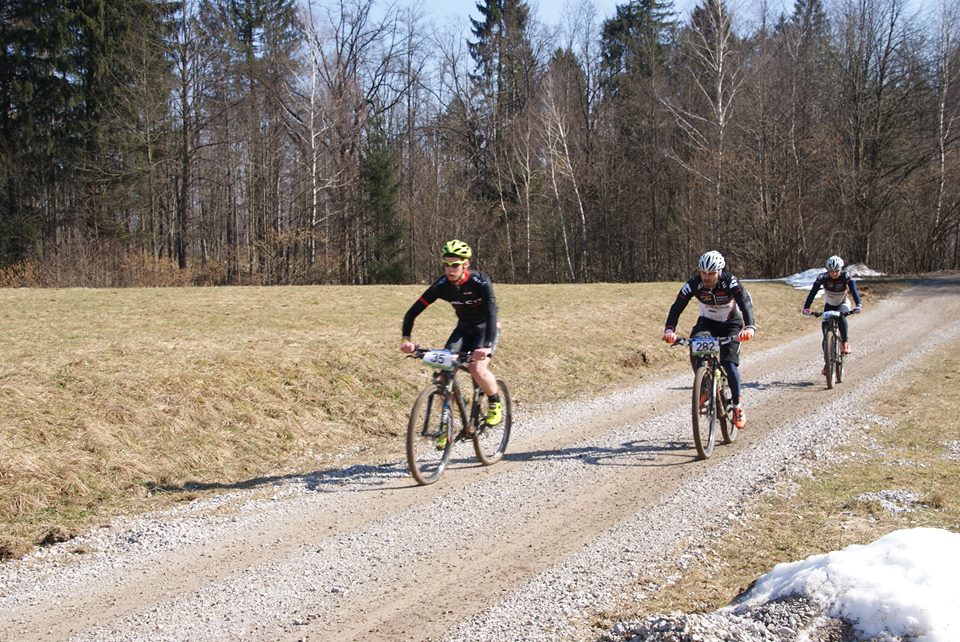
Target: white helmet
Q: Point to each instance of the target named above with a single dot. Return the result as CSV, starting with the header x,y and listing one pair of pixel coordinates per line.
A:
x,y
712,261
834,263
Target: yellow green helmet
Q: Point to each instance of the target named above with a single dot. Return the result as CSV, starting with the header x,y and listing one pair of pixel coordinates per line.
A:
x,y
456,248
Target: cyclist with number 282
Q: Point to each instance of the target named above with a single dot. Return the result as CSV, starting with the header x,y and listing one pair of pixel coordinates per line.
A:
x,y
720,295
471,295
836,283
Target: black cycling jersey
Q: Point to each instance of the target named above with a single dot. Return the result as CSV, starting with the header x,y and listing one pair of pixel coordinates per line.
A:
x,y
834,290
719,303
472,299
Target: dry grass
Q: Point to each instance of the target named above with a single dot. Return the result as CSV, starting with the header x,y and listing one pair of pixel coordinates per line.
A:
x,y
913,449
126,400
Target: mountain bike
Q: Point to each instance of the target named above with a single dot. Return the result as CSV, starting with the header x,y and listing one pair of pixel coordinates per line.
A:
x,y
442,418
832,345
712,402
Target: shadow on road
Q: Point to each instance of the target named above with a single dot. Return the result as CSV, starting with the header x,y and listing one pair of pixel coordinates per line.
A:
x,y
367,474
778,385
375,476
630,453
771,385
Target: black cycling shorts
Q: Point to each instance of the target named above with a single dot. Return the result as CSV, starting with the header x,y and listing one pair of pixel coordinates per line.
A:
x,y
729,352
466,338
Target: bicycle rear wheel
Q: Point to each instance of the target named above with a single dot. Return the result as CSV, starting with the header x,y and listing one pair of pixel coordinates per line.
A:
x,y
490,442
425,459
829,349
704,412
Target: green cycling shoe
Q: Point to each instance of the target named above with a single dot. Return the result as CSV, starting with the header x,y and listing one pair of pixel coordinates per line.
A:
x,y
494,413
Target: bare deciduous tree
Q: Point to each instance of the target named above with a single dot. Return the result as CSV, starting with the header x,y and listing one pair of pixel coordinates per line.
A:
x,y
711,61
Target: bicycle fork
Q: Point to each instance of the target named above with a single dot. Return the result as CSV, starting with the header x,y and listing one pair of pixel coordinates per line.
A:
x,y
445,391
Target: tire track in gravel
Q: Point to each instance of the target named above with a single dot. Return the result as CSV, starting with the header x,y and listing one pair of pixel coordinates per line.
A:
x,y
362,554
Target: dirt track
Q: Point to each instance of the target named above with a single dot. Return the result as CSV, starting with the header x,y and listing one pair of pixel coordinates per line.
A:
x,y
588,496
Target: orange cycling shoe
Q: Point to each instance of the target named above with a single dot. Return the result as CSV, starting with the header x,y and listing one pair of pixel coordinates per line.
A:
x,y
739,420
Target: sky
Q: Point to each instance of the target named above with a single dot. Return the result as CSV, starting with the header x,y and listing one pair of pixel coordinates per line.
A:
x,y
550,12
904,584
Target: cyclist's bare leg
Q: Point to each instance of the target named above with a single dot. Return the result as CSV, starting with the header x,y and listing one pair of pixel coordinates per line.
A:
x,y
484,378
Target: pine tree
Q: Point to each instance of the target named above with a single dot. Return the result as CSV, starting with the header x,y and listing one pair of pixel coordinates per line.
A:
x,y
36,121
502,85
108,35
69,139
380,181
249,79
636,39
503,55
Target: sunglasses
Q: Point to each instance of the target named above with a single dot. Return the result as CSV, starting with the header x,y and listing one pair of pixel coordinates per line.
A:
x,y
452,264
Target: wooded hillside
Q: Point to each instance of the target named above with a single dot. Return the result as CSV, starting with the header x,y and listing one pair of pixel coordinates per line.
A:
x,y
163,142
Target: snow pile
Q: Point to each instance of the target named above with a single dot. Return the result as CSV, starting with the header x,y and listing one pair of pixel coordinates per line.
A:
x,y
803,280
899,588
904,584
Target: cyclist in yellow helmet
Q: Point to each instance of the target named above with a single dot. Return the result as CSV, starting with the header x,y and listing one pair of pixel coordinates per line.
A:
x,y
472,298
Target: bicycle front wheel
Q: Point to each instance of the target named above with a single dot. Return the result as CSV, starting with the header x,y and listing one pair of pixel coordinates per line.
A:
x,y
704,412
430,434
829,350
838,362
490,442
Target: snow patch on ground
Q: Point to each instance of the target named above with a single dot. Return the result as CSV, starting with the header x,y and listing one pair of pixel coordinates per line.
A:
x,y
803,280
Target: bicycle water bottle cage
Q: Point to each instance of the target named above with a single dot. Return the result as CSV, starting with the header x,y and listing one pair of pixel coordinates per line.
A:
x,y
704,346
440,360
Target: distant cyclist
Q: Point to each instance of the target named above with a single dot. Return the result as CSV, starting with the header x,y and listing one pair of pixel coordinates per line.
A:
x,y
720,295
471,295
836,284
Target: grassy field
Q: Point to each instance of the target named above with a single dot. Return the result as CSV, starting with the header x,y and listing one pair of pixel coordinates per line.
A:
x,y
912,443
127,400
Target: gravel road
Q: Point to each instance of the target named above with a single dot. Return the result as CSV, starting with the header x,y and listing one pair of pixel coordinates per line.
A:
x,y
591,495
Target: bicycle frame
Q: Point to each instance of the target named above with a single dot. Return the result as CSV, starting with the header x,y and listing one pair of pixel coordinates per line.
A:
x,y
449,382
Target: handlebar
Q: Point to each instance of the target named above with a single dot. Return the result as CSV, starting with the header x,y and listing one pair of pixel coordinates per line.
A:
x,y
843,314
685,341
419,351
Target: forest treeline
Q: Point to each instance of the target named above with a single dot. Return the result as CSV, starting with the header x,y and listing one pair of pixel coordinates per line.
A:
x,y
166,142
